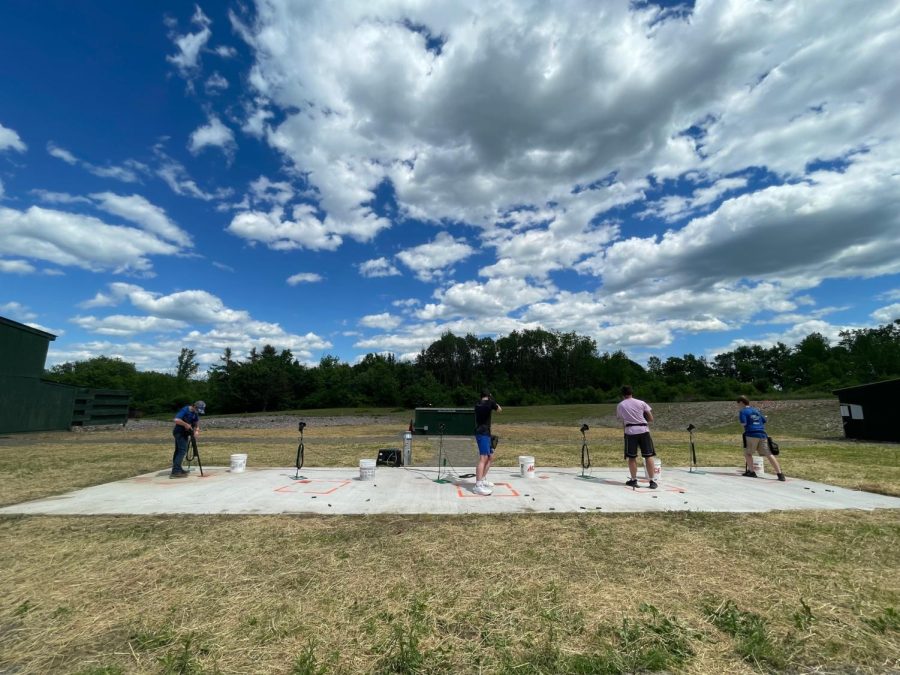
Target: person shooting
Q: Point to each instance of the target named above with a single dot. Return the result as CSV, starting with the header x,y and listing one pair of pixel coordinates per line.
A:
x,y
636,416
187,424
486,443
755,438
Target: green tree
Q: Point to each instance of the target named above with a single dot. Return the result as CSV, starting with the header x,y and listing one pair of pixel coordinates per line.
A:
x,y
221,381
809,363
333,385
187,364
265,383
449,360
874,353
375,380
100,372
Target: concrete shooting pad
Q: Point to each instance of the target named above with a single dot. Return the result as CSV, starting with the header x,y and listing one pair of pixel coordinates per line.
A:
x,y
426,490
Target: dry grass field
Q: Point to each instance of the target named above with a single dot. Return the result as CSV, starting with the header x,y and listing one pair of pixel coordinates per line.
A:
x,y
579,593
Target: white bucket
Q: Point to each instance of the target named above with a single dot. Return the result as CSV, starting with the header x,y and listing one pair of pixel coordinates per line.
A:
x,y
238,463
759,466
657,469
526,466
366,469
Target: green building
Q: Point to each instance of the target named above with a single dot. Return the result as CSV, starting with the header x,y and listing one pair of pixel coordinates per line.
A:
x,y
445,421
30,403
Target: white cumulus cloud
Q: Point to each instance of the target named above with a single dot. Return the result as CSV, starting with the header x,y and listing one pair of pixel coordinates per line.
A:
x,y
215,84
378,267
10,140
70,239
192,318
121,325
61,153
304,278
384,321
16,267
431,260
214,134
128,172
887,314
302,230
190,45
139,210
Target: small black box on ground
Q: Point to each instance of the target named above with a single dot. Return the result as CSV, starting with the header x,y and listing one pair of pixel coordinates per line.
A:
x,y
389,457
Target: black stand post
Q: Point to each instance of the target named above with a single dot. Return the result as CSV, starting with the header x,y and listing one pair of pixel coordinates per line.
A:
x,y
300,453
585,452
442,461
692,460
194,453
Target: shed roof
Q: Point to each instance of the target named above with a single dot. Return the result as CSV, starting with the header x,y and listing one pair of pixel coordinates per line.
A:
x,y
28,329
868,386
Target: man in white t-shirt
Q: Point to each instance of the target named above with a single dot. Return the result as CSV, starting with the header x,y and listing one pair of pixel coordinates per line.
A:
x,y
635,415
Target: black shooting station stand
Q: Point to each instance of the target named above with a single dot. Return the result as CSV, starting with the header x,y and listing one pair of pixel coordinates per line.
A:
x,y
442,461
692,459
300,452
193,453
585,453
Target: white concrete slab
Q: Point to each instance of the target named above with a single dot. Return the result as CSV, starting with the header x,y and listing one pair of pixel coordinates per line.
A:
x,y
415,490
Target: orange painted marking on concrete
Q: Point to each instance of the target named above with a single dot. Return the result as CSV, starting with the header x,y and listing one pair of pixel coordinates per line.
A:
x,y
341,483
287,489
470,495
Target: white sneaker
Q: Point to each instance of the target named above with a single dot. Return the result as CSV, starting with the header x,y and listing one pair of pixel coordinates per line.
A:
x,y
487,483
482,490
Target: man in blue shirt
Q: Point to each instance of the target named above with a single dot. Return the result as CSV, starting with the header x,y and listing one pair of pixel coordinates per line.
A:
x,y
187,422
755,438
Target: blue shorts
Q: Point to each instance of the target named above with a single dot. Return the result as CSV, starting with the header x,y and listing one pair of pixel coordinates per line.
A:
x,y
484,445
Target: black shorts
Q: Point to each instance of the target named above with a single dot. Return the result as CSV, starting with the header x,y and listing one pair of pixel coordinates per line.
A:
x,y
642,441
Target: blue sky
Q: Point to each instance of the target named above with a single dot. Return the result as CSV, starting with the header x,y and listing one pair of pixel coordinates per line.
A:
x,y
352,177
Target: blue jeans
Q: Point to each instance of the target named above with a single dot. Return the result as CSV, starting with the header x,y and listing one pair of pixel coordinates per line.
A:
x,y
181,448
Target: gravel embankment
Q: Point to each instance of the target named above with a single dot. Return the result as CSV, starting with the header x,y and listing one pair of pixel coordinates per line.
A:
x,y
257,422
812,418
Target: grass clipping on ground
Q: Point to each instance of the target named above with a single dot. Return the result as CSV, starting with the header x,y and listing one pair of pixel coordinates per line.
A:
x,y
534,594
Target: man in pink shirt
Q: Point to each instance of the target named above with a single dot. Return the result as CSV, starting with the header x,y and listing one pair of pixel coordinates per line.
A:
x,y
636,416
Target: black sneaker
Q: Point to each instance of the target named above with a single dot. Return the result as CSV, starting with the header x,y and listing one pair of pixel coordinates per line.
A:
x,y
653,485
781,477
631,483
183,474
749,474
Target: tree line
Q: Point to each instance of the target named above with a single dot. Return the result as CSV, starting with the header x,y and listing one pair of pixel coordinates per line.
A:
x,y
528,367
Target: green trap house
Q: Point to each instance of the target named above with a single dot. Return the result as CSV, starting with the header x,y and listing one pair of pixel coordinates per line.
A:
x,y
30,403
446,421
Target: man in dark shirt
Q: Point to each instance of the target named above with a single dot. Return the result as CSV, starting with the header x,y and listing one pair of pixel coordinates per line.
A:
x,y
187,422
483,410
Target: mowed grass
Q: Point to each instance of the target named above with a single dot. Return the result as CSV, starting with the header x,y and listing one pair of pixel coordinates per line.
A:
x,y
580,593
510,594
